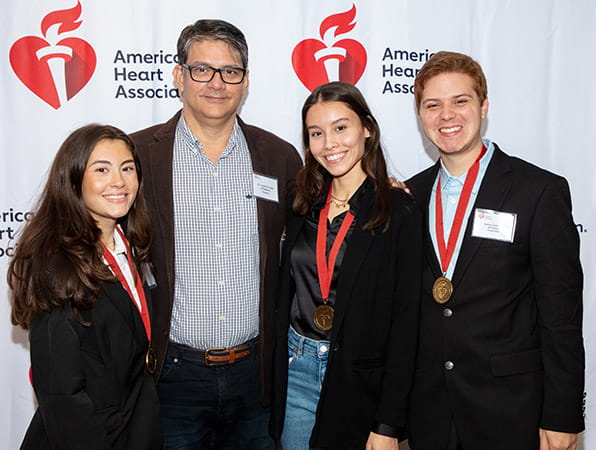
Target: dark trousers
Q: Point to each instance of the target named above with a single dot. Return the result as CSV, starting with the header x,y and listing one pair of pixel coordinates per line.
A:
x,y
212,407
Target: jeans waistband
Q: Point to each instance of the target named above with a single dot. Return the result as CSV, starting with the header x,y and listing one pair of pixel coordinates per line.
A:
x,y
303,344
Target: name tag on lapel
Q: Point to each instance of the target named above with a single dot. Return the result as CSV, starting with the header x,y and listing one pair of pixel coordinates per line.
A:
x,y
265,187
497,225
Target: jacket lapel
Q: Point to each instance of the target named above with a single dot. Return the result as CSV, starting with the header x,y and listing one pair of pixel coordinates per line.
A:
x,y
358,246
160,156
492,194
116,294
422,192
260,164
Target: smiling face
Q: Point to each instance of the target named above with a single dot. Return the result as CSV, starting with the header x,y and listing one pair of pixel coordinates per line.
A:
x,y
215,102
110,183
336,138
451,114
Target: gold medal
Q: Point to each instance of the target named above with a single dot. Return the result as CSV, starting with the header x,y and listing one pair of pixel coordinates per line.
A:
x,y
150,360
323,317
442,290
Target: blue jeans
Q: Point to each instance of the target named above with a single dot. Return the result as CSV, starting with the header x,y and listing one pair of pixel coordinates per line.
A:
x,y
306,371
212,407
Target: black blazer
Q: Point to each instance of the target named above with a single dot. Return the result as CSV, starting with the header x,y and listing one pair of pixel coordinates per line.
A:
x,y
91,383
270,156
373,339
513,326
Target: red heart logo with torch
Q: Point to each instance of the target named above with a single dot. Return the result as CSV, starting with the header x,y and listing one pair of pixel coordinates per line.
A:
x,y
54,67
333,57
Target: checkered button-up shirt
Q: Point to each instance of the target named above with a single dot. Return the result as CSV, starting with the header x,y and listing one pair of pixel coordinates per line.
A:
x,y
216,286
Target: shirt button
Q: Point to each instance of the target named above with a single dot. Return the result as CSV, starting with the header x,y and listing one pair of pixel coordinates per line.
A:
x,y
452,201
324,348
215,174
218,245
222,317
220,283
217,209
447,312
449,365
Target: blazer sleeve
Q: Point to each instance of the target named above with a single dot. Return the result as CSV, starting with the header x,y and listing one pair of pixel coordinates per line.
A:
x,y
67,411
403,339
554,249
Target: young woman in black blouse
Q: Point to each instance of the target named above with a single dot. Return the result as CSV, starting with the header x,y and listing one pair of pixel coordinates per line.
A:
x,y
349,292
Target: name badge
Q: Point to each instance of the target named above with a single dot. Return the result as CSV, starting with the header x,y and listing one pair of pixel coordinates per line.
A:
x,y
149,277
265,187
497,225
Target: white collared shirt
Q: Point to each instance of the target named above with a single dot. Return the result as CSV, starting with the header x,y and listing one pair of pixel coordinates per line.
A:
x,y
119,254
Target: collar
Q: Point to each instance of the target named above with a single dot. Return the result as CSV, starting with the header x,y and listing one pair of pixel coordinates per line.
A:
x,y
189,140
119,246
448,180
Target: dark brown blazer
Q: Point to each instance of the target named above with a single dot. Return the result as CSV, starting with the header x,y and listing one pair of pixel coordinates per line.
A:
x,y
513,326
91,383
270,156
374,334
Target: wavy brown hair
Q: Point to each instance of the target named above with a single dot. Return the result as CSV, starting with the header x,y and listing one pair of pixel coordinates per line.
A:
x,y
58,258
313,180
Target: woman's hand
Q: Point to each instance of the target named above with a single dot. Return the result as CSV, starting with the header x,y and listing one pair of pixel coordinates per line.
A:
x,y
379,442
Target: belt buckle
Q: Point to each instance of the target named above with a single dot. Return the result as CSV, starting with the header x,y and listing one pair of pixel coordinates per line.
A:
x,y
213,349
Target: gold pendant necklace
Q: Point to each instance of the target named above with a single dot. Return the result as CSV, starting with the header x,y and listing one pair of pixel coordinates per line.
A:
x,y
338,202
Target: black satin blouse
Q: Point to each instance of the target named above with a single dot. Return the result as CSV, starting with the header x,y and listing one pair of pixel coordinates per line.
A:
x,y
303,265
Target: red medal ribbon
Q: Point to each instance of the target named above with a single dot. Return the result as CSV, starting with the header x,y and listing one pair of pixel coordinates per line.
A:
x,y
446,252
325,268
143,310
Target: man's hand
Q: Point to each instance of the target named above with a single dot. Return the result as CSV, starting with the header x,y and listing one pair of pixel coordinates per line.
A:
x,y
555,440
380,442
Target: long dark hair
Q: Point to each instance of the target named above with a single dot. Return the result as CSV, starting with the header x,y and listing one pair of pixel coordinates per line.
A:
x,y
312,180
58,258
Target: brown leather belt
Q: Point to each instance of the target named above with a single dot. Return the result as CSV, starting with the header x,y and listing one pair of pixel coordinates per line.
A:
x,y
217,356
220,356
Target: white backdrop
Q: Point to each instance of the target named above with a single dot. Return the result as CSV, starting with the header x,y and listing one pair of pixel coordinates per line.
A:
x,y
537,54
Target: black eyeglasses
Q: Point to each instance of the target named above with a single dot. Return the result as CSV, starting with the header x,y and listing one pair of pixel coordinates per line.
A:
x,y
204,74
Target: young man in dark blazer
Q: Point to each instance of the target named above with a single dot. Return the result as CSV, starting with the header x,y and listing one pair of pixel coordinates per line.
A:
x,y
216,189
501,358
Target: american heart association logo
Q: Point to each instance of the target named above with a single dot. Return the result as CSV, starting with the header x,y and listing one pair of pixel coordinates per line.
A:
x,y
55,67
333,57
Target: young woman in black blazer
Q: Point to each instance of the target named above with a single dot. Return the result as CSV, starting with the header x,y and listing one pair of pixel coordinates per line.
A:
x,y
349,292
79,288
